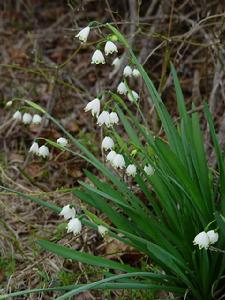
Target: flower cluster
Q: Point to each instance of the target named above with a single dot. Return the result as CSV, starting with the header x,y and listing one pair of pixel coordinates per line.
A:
x,y
43,151
74,224
205,239
27,118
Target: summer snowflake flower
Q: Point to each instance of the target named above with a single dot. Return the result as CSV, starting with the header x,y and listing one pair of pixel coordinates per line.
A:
x,y
62,141
132,96
136,73
17,116
34,148
116,63
149,170
118,161
74,226
202,240
104,118
110,48
98,58
93,106
36,119
111,155
127,71
68,212
43,151
102,230
83,34
213,236
107,143
131,170
9,103
27,118
122,89
114,119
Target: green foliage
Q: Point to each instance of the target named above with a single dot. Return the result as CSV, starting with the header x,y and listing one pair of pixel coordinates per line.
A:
x,y
182,198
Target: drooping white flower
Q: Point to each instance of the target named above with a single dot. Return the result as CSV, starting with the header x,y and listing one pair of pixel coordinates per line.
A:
x,y
93,106
111,155
104,118
213,236
62,141
9,103
131,170
132,96
116,63
74,226
43,151
136,73
149,170
27,118
127,71
114,119
202,240
122,89
17,116
34,148
107,143
110,48
98,58
118,161
102,230
36,119
83,34
68,212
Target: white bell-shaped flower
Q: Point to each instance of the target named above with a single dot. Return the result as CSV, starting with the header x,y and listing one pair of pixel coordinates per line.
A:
x,y
213,236
83,34
127,72
110,156
202,240
107,143
116,63
93,106
74,226
104,118
43,151
131,170
68,212
62,141
114,119
98,58
102,230
36,119
136,73
9,103
122,89
149,170
118,161
34,148
110,48
27,118
132,96
17,116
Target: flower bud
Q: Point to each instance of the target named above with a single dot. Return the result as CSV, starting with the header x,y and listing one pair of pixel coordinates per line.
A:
x,y
110,48
62,141
68,212
27,118
107,143
74,226
98,58
83,34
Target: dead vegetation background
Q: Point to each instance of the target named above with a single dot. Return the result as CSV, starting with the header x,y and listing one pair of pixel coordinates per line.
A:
x,y
41,60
